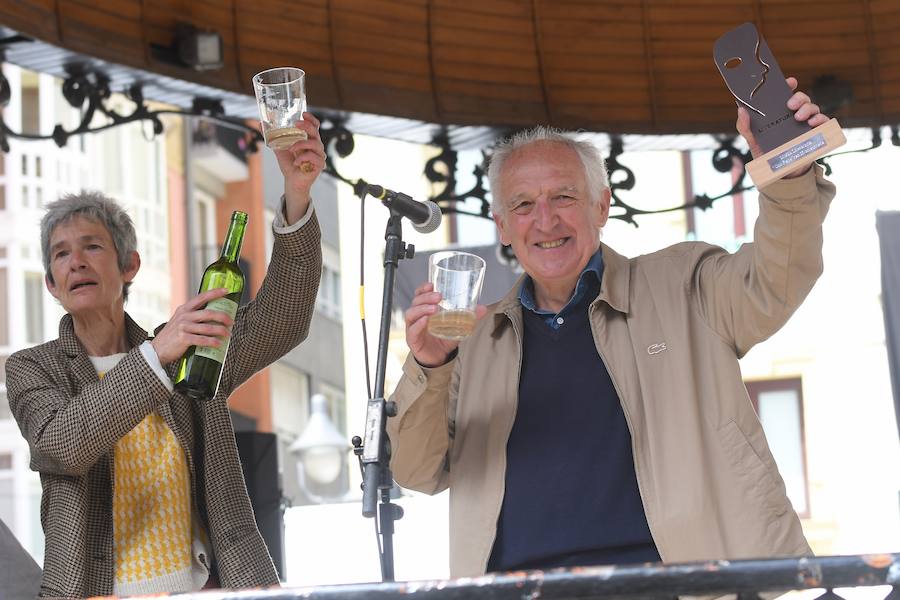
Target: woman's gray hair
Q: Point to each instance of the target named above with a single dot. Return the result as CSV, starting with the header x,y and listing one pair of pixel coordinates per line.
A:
x,y
96,207
591,159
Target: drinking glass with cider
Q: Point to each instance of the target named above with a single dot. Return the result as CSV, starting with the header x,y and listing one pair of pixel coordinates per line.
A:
x,y
281,96
458,277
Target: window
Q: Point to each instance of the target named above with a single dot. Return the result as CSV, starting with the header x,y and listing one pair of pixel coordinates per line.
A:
x,y
5,411
7,501
269,216
34,312
7,487
4,309
336,291
37,166
290,413
31,113
24,164
290,399
328,300
779,404
139,177
337,406
113,168
206,247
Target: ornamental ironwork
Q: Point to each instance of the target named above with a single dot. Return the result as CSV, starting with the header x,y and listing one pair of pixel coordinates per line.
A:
x,y
441,170
89,92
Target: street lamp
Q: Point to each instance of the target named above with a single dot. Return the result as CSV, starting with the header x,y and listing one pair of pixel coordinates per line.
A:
x,y
320,449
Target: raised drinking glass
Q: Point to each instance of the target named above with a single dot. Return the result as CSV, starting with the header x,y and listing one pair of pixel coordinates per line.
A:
x,y
281,96
458,277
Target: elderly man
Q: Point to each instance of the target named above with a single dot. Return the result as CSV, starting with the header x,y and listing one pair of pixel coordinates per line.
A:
x,y
142,486
597,414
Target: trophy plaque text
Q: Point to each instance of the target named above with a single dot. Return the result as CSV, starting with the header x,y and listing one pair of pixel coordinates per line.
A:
x,y
754,78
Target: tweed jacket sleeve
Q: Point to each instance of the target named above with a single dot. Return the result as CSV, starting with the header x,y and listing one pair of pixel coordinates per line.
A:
x,y
747,296
69,417
278,318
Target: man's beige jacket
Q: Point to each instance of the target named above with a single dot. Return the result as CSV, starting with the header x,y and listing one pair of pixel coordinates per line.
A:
x,y
670,327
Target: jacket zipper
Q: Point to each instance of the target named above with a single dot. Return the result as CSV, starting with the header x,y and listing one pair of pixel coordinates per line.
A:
x,y
630,432
499,506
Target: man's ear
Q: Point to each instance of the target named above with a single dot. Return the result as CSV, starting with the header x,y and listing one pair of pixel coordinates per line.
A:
x,y
600,212
501,229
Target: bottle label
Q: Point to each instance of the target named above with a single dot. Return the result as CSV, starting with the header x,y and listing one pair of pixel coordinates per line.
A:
x,y
229,307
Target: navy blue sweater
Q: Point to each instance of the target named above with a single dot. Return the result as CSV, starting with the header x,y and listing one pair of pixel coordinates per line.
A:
x,y
571,492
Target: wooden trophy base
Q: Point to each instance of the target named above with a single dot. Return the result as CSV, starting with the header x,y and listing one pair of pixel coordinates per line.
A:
x,y
795,154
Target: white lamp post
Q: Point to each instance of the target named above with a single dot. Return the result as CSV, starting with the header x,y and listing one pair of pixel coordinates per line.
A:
x,y
320,449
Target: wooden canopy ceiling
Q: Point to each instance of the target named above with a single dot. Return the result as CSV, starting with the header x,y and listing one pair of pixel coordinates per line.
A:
x,y
619,66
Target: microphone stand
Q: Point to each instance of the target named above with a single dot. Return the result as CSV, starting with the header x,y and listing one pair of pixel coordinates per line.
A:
x,y
375,450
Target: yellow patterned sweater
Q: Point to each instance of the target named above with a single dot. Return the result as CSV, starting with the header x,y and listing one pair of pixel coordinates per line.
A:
x,y
158,545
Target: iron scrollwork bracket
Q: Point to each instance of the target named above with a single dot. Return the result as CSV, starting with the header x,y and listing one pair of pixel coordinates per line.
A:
x,y
441,169
90,93
338,142
620,177
876,142
723,160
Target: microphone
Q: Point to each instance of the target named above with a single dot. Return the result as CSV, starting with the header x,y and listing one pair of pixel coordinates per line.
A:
x,y
425,216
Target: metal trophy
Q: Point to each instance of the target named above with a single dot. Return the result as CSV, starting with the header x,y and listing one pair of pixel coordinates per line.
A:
x,y
756,81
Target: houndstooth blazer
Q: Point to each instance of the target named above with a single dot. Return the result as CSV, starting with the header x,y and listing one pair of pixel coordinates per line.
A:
x,y
72,421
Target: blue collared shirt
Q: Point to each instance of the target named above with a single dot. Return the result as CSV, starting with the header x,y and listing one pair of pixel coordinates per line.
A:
x,y
588,283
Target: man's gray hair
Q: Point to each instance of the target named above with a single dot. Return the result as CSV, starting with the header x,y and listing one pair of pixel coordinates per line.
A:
x,y
96,207
591,159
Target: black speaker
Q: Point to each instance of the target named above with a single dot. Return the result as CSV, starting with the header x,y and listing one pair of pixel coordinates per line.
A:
x,y
259,461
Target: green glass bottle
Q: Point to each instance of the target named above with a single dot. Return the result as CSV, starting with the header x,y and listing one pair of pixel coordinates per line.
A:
x,y
201,366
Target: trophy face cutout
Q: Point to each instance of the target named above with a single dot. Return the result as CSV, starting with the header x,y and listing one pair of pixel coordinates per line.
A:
x,y
754,78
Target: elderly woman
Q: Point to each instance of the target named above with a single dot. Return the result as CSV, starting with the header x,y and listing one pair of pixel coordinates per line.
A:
x,y
142,487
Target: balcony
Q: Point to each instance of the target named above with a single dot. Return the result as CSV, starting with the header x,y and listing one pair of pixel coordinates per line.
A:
x,y
219,150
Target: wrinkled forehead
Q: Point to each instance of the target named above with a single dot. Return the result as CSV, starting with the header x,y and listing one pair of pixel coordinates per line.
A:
x,y
542,165
78,226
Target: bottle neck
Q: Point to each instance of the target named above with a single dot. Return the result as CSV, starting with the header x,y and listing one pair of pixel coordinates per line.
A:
x,y
231,249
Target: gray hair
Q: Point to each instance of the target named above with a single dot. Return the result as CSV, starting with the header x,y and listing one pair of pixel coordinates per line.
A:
x,y
96,207
594,166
